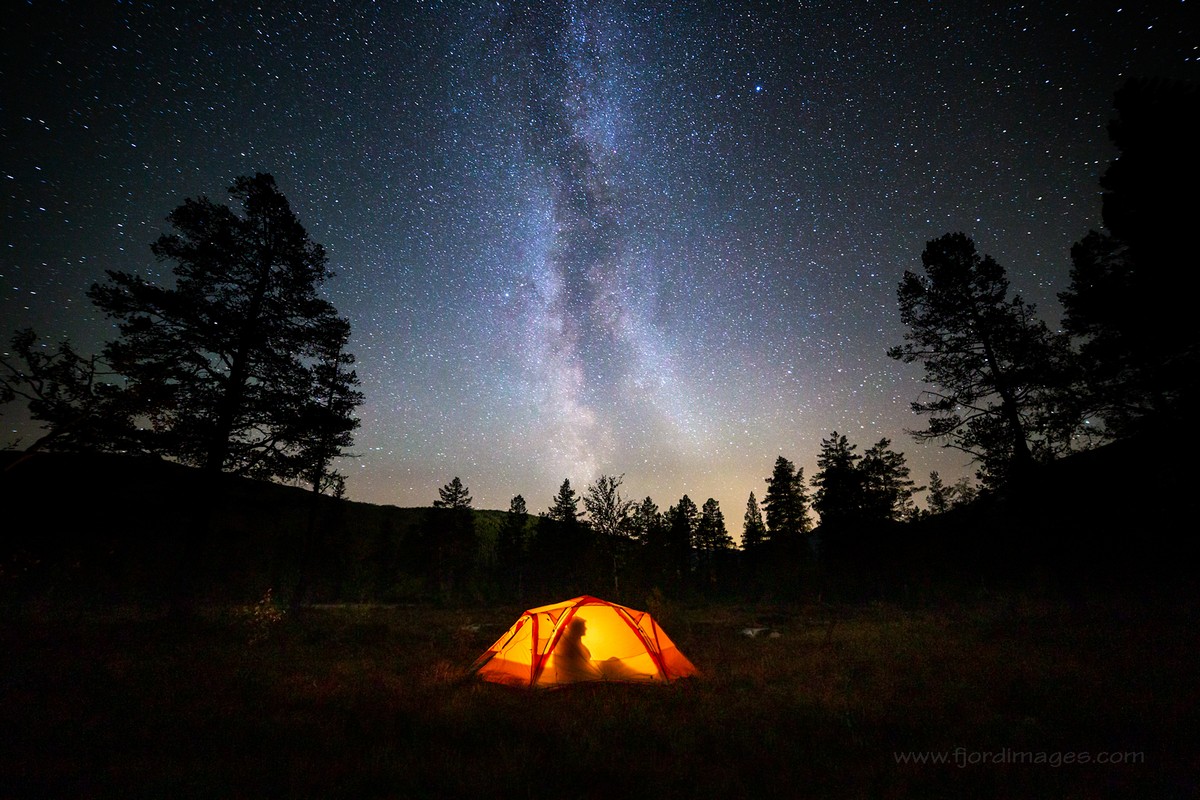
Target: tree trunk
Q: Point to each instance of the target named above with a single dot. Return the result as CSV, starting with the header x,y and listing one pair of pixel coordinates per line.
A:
x,y
239,369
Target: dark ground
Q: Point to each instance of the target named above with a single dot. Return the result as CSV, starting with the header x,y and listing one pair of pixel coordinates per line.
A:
x,y
360,701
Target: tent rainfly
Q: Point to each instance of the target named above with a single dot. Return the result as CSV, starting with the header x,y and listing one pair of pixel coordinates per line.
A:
x,y
583,639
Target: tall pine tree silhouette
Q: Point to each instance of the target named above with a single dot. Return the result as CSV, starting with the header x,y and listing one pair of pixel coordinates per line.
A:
x,y
226,362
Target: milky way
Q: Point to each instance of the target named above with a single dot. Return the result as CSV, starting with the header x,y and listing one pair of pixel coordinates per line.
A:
x,y
593,356
652,239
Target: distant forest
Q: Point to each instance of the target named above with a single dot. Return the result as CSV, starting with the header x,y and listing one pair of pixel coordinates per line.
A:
x,y
240,369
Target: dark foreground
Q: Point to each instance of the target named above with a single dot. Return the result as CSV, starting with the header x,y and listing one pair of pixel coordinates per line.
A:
x,y
1015,697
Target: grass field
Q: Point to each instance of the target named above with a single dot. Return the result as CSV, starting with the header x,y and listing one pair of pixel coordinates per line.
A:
x,y
373,702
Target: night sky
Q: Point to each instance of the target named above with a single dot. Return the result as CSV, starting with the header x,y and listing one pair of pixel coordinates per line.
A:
x,y
653,239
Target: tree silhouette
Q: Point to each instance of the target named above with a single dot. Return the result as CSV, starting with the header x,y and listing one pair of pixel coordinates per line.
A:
x,y
453,495
1132,288
754,531
321,430
608,515
510,548
682,521
840,496
888,490
963,492
712,542
608,512
854,490
565,505
451,539
939,497
999,376
324,426
645,522
711,534
72,396
786,503
562,548
225,363
754,536
649,527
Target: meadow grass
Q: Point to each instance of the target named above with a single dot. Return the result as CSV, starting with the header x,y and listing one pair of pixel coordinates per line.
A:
x,y
363,701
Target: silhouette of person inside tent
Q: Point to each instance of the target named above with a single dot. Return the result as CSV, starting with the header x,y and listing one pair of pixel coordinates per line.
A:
x,y
572,659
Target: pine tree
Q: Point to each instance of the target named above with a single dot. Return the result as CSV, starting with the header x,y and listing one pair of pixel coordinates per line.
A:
x,y
225,361
646,522
682,521
786,503
888,490
754,531
711,534
650,531
854,490
562,546
565,505
939,496
754,537
510,548
963,492
1133,287
452,539
712,539
999,378
75,398
321,430
840,486
453,495
324,427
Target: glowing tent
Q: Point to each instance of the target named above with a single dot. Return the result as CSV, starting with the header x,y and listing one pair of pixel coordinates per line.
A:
x,y
583,639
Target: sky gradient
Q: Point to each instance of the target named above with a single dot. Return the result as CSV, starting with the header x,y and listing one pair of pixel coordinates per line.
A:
x,y
660,240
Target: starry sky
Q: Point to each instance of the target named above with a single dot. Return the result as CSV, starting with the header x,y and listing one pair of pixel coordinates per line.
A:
x,y
652,239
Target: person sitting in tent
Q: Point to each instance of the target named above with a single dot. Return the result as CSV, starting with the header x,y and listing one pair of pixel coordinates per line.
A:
x,y
545,648
572,659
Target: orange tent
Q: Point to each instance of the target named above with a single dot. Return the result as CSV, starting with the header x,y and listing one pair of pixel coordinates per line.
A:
x,y
583,639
